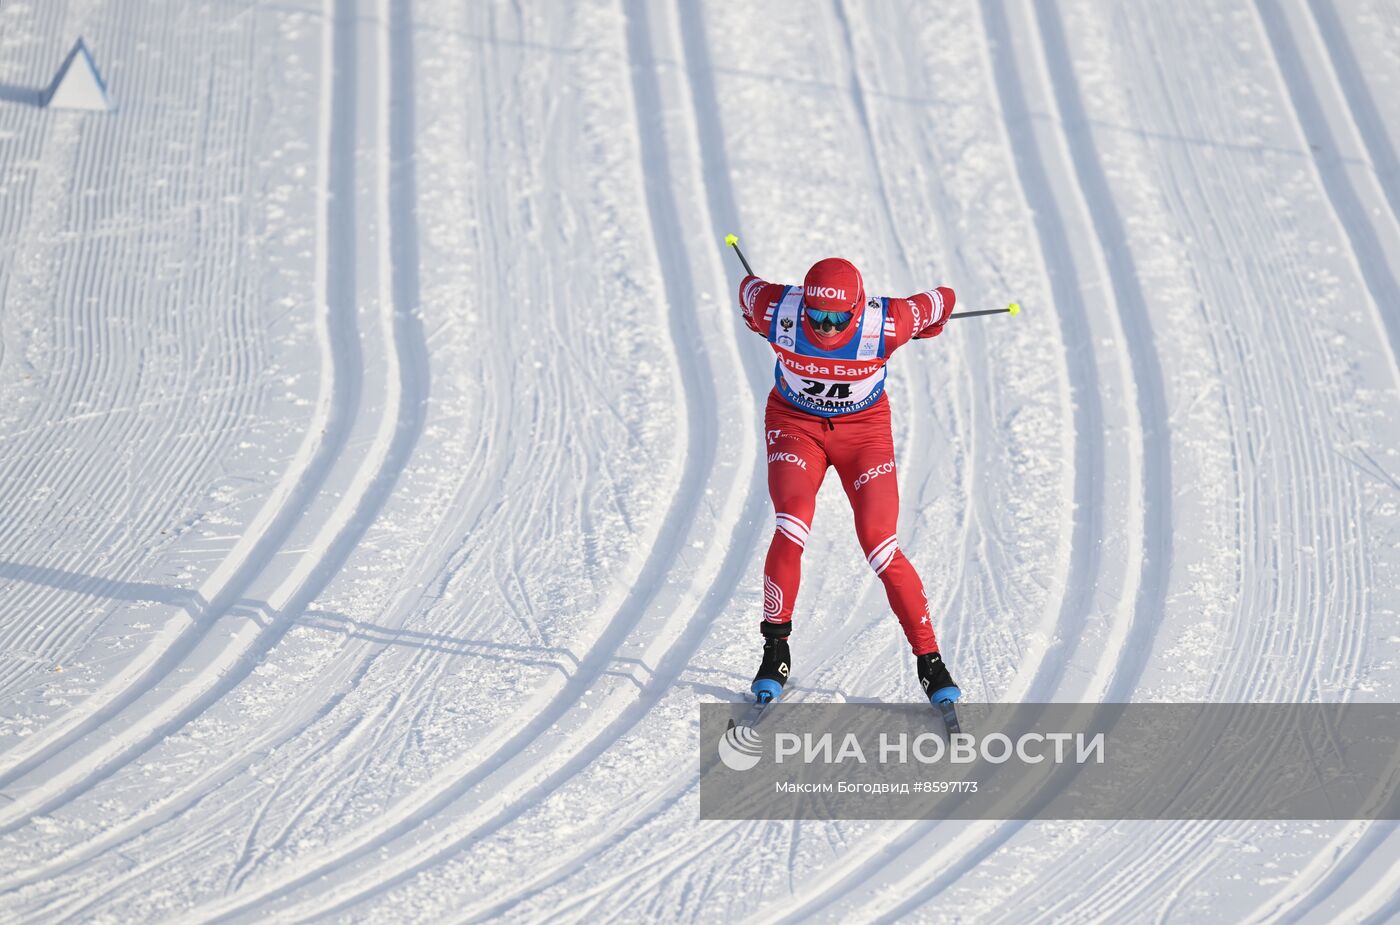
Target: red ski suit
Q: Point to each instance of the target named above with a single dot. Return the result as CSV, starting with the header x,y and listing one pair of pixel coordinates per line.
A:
x,y
828,408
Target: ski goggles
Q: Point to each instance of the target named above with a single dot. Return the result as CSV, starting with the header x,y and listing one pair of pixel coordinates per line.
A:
x,y
820,317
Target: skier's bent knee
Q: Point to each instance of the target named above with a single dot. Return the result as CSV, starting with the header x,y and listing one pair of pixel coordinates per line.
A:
x,y
882,554
794,528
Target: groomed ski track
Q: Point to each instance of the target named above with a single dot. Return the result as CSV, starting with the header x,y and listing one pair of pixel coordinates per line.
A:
x,y
381,450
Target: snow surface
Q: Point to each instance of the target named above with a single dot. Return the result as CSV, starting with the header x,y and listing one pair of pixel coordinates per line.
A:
x,y
380,483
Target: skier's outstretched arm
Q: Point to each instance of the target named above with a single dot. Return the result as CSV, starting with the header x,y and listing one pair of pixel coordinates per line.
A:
x,y
757,300
921,315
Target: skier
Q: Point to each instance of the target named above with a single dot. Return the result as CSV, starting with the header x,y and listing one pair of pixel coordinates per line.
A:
x,y
828,408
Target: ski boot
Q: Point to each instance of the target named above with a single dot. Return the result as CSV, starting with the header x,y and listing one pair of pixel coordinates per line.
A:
x,y
937,683
939,688
773,672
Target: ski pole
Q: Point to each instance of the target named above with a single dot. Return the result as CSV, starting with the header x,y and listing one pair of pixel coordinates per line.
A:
x,y
1013,309
733,241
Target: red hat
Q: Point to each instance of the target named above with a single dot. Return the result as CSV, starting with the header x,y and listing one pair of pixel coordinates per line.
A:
x,y
833,285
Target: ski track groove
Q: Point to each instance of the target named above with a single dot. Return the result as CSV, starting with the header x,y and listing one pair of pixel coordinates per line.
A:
x,y
675,660
396,183
1085,564
1354,220
563,777
398,435
1348,595
234,766
1171,862
1375,268
472,505
721,203
1150,390
293,493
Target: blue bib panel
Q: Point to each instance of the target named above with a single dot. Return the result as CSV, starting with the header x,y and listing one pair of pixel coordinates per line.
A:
x,y
826,385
